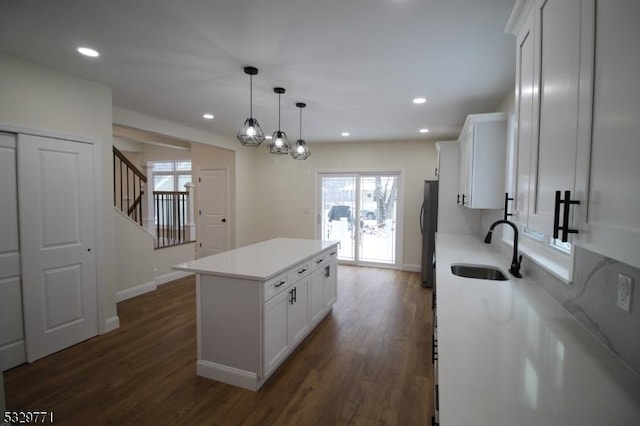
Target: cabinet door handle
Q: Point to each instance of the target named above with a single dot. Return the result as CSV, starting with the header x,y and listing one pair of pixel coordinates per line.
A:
x,y
294,295
463,197
303,270
506,205
291,297
458,201
567,202
327,271
279,284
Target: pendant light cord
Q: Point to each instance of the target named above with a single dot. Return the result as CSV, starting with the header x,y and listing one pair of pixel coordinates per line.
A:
x,y
279,112
250,96
301,123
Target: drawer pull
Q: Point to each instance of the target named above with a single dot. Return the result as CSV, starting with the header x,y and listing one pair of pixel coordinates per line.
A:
x,y
319,261
303,270
333,253
279,284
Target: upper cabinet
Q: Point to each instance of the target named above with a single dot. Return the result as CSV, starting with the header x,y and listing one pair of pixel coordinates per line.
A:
x,y
576,123
483,142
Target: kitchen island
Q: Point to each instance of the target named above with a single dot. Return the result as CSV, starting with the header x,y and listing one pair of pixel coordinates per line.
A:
x,y
509,354
257,303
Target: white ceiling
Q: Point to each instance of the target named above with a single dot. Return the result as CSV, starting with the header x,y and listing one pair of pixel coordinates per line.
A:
x,y
356,63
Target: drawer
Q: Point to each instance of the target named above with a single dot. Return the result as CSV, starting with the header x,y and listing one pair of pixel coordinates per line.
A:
x,y
299,271
320,260
332,253
276,285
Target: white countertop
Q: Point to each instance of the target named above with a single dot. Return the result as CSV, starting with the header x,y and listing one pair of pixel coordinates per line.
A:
x,y
509,354
259,261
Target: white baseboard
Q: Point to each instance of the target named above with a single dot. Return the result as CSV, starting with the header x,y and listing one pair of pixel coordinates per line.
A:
x,y
135,291
12,355
111,324
411,268
222,373
171,276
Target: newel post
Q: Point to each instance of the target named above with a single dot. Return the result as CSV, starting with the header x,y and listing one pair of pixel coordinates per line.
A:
x,y
190,225
148,208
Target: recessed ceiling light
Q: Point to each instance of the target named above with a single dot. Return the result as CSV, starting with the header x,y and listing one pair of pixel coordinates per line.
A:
x,y
87,51
424,130
207,116
345,133
419,100
268,137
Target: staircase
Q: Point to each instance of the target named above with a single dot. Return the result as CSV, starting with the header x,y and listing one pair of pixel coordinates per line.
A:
x,y
167,215
128,186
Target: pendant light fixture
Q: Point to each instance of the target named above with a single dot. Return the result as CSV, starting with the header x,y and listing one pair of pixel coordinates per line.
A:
x,y
300,151
279,144
251,134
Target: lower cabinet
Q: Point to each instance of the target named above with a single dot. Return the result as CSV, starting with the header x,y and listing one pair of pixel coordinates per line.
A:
x,y
286,322
323,291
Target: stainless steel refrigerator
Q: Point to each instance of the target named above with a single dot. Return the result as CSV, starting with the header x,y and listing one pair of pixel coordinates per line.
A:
x,y
428,227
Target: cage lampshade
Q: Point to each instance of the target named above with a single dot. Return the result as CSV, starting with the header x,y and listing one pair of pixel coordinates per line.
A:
x,y
250,134
279,144
300,150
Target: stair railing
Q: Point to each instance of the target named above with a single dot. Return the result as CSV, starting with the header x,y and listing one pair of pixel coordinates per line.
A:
x,y
128,186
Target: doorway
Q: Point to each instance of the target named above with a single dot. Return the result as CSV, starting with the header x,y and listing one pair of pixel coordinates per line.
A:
x,y
361,211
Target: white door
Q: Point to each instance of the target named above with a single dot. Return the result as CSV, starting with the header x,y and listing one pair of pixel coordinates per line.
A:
x,y
57,238
11,330
213,212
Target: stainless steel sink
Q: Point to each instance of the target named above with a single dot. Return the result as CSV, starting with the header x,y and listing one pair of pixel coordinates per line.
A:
x,y
482,272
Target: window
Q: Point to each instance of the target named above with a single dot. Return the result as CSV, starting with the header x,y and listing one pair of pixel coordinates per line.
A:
x,y
171,175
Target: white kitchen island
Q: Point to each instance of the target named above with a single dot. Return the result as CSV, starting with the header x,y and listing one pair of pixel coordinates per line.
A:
x,y
255,304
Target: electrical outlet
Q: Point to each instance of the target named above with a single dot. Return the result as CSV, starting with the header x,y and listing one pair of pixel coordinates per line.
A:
x,y
625,291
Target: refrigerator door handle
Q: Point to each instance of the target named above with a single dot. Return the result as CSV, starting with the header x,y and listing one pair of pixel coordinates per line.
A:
x,y
421,218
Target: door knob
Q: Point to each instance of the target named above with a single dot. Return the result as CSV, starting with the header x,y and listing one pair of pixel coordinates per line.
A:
x,y
224,220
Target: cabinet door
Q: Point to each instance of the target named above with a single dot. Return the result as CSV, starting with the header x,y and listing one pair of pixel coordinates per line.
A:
x,y
613,218
559,136
330,283
524,121
275,331
465,168
316,298
298,311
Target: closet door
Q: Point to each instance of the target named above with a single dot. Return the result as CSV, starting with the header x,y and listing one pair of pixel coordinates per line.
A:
x,y
57,238
11,330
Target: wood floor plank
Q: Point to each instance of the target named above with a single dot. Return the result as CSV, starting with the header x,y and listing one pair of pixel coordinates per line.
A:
x,y
367,363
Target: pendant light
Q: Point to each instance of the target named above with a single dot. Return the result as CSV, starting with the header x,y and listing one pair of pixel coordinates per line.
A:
x,y
251,134
279,144
300,151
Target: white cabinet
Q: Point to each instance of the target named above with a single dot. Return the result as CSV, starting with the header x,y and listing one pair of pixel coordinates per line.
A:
x,y
275,331
483,142
286,322
554,93
298,312
253,306
612,223
330,284
323,286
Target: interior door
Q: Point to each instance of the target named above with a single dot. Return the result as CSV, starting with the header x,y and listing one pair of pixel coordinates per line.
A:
x,y
213,211
57,238
12,351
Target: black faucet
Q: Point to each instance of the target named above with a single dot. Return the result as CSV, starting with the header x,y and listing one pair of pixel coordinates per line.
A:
x,y
515,262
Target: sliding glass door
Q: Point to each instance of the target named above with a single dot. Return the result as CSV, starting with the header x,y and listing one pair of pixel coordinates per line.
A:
x,y
360,210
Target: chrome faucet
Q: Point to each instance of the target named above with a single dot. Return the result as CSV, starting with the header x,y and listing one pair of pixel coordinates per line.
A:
x,y
515,261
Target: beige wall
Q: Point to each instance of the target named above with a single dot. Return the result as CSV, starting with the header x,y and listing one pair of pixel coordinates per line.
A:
x,y
37,97
166,257
134,255
285,199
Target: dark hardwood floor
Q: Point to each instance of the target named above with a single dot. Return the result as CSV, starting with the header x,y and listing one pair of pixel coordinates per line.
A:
x,y
367,363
